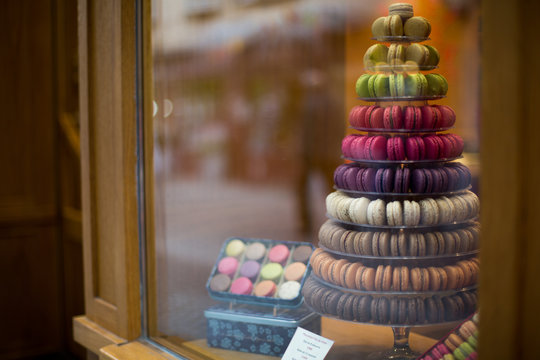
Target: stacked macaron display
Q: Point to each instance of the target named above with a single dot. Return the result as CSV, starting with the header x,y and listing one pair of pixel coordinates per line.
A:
x,y
460,344
260,271
401,243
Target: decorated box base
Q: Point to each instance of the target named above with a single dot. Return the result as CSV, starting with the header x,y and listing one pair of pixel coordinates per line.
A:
x,y
256,329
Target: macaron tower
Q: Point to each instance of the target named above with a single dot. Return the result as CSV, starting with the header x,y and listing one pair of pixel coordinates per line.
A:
x,y
400,246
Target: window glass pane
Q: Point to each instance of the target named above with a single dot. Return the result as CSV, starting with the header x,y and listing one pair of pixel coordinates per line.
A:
x,y
251,101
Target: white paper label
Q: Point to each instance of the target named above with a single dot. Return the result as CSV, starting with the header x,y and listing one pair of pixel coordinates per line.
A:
x,y
306,345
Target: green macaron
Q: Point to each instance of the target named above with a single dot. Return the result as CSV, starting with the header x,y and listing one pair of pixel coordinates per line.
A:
x,y
417,53
377,28
396,54
434,56
374,55
463,351
393,25
415,85
436,84
362,86
417,27
381,86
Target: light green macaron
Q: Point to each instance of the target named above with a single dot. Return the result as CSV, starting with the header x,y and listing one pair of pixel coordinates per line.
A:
x,y
417,27
378,86
377,28
393,25
417,53
272,271
375,54
396,54
415,85
397,85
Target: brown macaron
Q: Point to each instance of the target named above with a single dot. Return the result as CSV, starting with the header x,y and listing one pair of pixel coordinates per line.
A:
x,y
362,312
419,279
400,279
365,279
350,275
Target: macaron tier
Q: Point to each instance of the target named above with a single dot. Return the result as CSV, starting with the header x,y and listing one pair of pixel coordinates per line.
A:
x,y
400,247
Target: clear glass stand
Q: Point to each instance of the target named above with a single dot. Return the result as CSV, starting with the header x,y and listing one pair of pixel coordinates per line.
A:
x,y
401,349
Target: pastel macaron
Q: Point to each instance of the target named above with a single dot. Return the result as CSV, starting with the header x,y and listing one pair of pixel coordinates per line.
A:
x,y
235,248
289,290
271,271
220,282
302,253
295,271
265,288
255,251
241,286
228,266
279,254
250,269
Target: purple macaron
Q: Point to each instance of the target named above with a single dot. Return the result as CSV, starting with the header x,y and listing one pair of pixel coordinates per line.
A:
x,y
384,180
402,180
250,269
365,180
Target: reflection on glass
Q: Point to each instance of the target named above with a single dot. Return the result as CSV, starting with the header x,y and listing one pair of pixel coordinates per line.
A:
x,y
250,115
250,105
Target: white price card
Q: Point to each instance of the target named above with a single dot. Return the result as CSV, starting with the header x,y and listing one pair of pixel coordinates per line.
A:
x,y
306,345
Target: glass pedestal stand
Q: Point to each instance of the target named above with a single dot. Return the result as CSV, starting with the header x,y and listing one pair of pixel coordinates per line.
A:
x,y
401,349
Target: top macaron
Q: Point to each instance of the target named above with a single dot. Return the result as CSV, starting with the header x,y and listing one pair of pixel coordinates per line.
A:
x,y
393,25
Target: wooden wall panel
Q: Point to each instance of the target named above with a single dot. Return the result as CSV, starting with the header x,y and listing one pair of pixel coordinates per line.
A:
x,y
31,291
108,139
509,284
26,100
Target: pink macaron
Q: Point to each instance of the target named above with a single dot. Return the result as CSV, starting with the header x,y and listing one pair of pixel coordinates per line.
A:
x,y
448,116
358,147
374,117
346,145
412,117
357,116
395,148
228,265
431,117
435,147
393,117
242,286
279,254
415,148
375,148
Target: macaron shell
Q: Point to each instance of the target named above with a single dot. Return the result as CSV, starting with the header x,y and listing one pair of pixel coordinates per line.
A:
x,y
265,288
241,286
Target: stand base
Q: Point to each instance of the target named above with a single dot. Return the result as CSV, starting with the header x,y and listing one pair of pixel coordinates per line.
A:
x,y
394,354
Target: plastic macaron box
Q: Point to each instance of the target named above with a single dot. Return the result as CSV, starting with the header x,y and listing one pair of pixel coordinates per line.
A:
x,y
260,272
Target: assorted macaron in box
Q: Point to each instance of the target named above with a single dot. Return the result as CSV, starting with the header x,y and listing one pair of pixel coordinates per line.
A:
x,y
260,271
460,344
